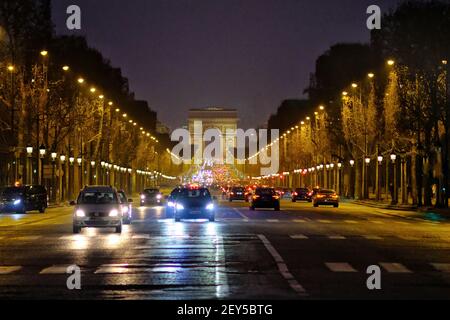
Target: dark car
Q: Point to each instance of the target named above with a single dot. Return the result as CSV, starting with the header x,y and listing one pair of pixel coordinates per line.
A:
x,y
171,200
236,193
301,194
127,208
194,203
313,193
24,198
326,197
151,197
265,198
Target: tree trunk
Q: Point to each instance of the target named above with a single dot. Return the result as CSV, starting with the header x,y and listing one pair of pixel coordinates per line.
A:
x,y
413,182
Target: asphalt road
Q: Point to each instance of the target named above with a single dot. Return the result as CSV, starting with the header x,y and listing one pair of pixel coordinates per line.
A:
x,y
298,253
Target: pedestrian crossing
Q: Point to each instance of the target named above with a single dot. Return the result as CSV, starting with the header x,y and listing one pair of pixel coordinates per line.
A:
x,y
124,269
39,239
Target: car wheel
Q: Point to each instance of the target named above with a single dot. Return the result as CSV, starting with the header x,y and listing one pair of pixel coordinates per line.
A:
x,y
336,206
231,200
293,200
21,211
177,219
212,218
316,205
252,208
42,209
277,208
119,229
76,230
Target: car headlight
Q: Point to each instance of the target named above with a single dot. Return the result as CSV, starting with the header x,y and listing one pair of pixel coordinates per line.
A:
x,y
210,206
114,213
159,197
142,197
80,213
179,206
17,202
171,204
124,210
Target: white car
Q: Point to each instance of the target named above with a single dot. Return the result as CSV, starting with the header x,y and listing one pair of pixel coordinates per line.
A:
x,y
98,207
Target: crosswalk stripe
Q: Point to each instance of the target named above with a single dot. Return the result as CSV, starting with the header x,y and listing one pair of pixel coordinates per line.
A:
x,y
10,269
443,267
273,220
324,221
299,237
351,221
337,237
55,269
299,221
141,236
395,267
340,267
370,237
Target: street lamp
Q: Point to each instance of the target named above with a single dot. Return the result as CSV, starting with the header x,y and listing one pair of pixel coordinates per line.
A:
x,y
380,163
71,161
44,53
395,191
352,163
62,159
29,165
42,153
390,62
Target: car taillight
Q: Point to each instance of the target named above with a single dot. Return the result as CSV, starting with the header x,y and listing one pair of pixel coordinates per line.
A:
x,y
320,196
295,193
276,197
256,197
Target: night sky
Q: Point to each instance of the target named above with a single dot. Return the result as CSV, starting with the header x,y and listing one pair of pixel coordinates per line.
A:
x,y
245,54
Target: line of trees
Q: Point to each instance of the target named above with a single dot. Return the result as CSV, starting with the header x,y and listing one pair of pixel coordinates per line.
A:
x,y
57,92
383,98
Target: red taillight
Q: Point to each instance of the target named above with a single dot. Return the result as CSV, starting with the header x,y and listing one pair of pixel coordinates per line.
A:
x,y
295,193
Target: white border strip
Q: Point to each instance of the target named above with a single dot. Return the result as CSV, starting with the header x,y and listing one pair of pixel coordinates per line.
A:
x,y
282,267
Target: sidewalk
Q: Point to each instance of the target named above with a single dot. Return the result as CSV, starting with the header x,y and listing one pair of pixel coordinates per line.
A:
x,y
407,211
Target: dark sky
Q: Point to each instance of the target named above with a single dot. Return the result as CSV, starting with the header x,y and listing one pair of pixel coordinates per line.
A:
x,y
246,54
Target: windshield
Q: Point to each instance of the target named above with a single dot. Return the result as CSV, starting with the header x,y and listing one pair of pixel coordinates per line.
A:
x,y
238,190
265,192
151,191
13,191
195,194
97,198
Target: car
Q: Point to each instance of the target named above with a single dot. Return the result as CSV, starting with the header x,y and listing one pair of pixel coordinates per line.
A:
x,y
127,207
326,197
171,200
287,194
98,207
312,193
194,203
236,193
21,199
151,197
265,198
300,194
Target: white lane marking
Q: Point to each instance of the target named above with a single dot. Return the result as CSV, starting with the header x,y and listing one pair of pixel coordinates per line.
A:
x,y
370,237
221,279
243,216
282,267
409,238
141,236
340,267
9,269
299,221
337,237
324,221
442,267
351,221
394,267
27,238
299,237
273,220
402,223
55,269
